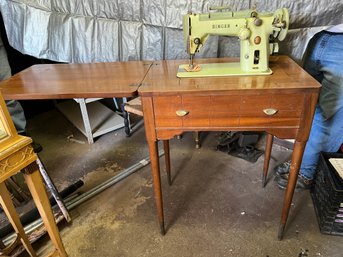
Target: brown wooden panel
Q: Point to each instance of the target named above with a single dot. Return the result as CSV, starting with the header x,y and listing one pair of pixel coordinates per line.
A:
x,y
165,108
286,113
287,106
225,110
289,110
164,134
149,119
288,101
225,104
83,80
253,105
269,121
224,121
228,110
199,111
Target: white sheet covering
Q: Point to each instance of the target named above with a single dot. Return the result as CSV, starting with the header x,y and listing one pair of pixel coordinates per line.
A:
x,y
80,31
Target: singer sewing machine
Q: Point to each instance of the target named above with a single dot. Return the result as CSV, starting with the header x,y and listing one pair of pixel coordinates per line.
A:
x,y
257,32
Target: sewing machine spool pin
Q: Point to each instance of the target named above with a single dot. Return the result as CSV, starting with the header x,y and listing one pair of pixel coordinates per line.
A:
x,y
219,8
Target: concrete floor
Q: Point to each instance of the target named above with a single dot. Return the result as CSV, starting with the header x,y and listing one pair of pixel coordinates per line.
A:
x,y
215,207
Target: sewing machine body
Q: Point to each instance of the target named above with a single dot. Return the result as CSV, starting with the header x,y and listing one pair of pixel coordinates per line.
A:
x,y
254,31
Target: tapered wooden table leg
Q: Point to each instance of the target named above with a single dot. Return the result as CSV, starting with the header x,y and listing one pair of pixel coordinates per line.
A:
x,y
297,155
155,169
35,184
167,160
267,153
12,215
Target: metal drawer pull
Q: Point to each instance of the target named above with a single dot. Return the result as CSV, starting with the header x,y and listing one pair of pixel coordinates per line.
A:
x,y
270,111
181,113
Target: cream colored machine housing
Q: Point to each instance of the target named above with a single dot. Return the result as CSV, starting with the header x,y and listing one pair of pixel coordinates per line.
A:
x,y
256,32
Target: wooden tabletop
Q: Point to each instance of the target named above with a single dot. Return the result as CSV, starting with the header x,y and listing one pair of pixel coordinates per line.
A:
x,y
287,75
93,80
123,79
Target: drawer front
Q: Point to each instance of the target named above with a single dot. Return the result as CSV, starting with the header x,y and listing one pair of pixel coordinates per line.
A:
x,y
228,111
287,108
168,111
165,111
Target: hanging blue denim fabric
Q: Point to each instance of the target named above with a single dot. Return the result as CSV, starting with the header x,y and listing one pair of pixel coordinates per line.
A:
x,y
324,61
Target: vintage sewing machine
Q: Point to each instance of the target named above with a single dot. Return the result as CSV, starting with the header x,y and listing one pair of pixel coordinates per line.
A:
x,y
258,34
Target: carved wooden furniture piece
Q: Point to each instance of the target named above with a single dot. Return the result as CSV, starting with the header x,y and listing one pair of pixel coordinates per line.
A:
x,y
281,104
16,154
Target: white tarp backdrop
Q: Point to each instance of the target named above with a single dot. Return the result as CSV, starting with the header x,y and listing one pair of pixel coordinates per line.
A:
x,y
80,31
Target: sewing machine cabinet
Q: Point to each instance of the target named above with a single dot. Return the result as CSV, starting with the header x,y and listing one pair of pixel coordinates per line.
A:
x,y
281,104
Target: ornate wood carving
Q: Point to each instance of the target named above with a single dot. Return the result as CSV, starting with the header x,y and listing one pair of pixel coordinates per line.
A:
x,y
16,159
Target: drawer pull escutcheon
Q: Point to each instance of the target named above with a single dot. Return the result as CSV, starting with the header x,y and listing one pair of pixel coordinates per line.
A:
x,y
270,111
181,113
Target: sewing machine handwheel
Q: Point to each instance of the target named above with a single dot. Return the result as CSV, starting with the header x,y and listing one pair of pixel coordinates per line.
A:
x,y
283,15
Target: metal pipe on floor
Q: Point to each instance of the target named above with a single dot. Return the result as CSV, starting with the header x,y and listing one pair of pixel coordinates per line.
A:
x,y
101,187
32,214
29,228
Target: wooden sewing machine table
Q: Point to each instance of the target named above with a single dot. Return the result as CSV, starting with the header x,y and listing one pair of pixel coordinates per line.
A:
x,y
57,81
67,81
282,104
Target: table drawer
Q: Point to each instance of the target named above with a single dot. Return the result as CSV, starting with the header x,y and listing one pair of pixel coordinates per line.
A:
x,y
227,110
259,110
